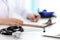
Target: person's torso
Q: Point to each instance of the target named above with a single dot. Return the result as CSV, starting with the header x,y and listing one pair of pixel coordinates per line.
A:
x,y
8,7
3,10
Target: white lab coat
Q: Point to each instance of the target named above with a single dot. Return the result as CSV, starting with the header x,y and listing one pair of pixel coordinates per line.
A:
x,y
10,7
3,10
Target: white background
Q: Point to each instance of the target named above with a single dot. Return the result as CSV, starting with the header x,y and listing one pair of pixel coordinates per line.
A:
x,y
36,33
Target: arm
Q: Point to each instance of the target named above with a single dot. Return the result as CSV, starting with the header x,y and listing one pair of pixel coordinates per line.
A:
x,y
10,22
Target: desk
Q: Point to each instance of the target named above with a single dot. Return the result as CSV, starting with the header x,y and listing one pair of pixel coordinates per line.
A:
x,y
31,33
28,34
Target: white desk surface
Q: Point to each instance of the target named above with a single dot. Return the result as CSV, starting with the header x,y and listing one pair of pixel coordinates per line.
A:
x,y
34,33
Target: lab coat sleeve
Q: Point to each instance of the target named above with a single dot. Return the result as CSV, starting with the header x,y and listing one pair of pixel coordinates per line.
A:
x,y
24,13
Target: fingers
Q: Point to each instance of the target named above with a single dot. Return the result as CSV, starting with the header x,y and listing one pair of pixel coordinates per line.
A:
x,y
18,22
32,18
37,17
